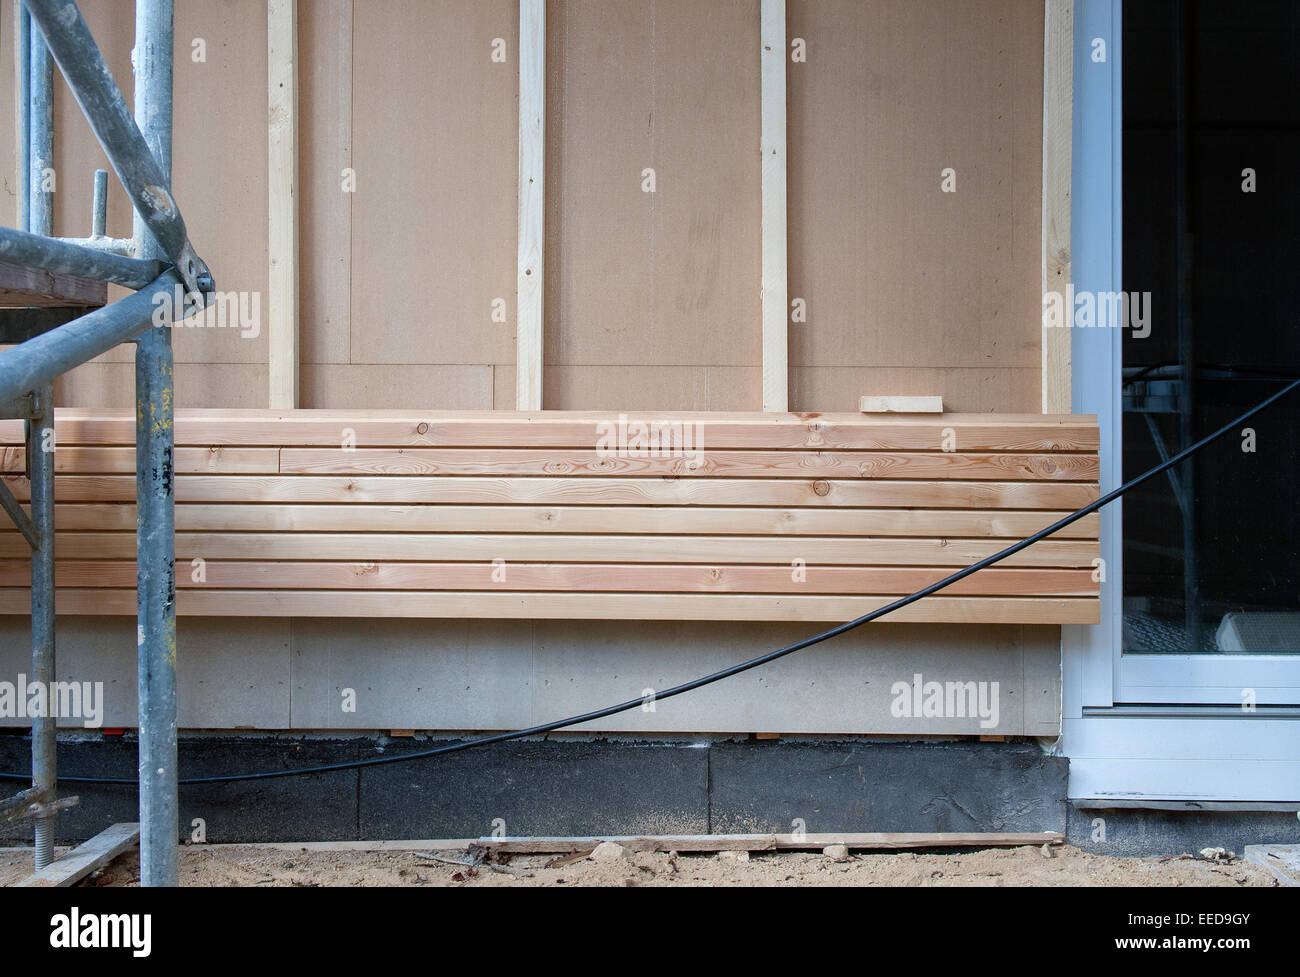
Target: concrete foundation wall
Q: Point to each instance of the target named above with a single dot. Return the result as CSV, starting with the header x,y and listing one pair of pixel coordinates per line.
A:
x,y
283,674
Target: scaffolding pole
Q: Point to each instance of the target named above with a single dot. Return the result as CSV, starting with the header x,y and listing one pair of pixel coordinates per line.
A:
x,y
155,540
39,160
40,467
40,134
23,106
173,281
64,258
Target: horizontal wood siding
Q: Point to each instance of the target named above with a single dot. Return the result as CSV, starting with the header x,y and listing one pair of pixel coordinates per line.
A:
x,y
536,515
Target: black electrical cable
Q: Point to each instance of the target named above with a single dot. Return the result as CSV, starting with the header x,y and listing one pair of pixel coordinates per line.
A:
x,y
744,666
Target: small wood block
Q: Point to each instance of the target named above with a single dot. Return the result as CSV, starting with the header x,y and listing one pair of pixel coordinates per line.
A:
x,y
404,733
767,736
993,739
900,405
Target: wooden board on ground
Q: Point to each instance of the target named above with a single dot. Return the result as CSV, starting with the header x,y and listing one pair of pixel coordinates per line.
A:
x,y
85,858
779,842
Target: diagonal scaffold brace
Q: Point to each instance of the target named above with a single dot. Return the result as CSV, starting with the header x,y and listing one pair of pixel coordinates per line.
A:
x,y
141,172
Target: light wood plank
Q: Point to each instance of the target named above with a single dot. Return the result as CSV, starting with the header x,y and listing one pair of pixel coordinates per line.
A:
x,y
574,606
1058,122
736,464
282,187
813,550
193,461
530,334
614,520
761,842
592,577
581,429
772,149
470,490
22,286
85,858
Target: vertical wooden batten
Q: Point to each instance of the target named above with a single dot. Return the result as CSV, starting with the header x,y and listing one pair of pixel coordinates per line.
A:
x,y
532,171
282,144
772,142
1058,123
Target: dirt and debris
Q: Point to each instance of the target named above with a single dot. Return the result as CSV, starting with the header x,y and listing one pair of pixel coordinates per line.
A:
x,y
248,865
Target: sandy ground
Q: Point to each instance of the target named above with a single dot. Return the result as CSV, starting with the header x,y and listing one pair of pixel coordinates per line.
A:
x,y
236,865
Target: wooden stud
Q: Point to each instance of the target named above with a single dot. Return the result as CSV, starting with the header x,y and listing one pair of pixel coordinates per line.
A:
x,y
1058,122
775,290
282,146
530,334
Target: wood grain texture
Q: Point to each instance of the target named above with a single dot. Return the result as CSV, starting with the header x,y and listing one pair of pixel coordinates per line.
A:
x,y
775,291
1058,134
216,459
637,520
21,286
557,429
519,515
573,606
738,464
530,334
512,547
613,491
589,577
282,184
70,868
900,405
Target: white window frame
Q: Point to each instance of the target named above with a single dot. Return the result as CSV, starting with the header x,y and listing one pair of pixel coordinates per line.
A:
x,y
1173,749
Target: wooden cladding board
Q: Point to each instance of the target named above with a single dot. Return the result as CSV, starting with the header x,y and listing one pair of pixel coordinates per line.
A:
x,y
709,516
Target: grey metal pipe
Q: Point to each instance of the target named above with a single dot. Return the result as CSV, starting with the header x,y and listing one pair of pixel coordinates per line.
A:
x,y
59,257
40,466
22,73
42,358
99,205
155,533
40,138
142,174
